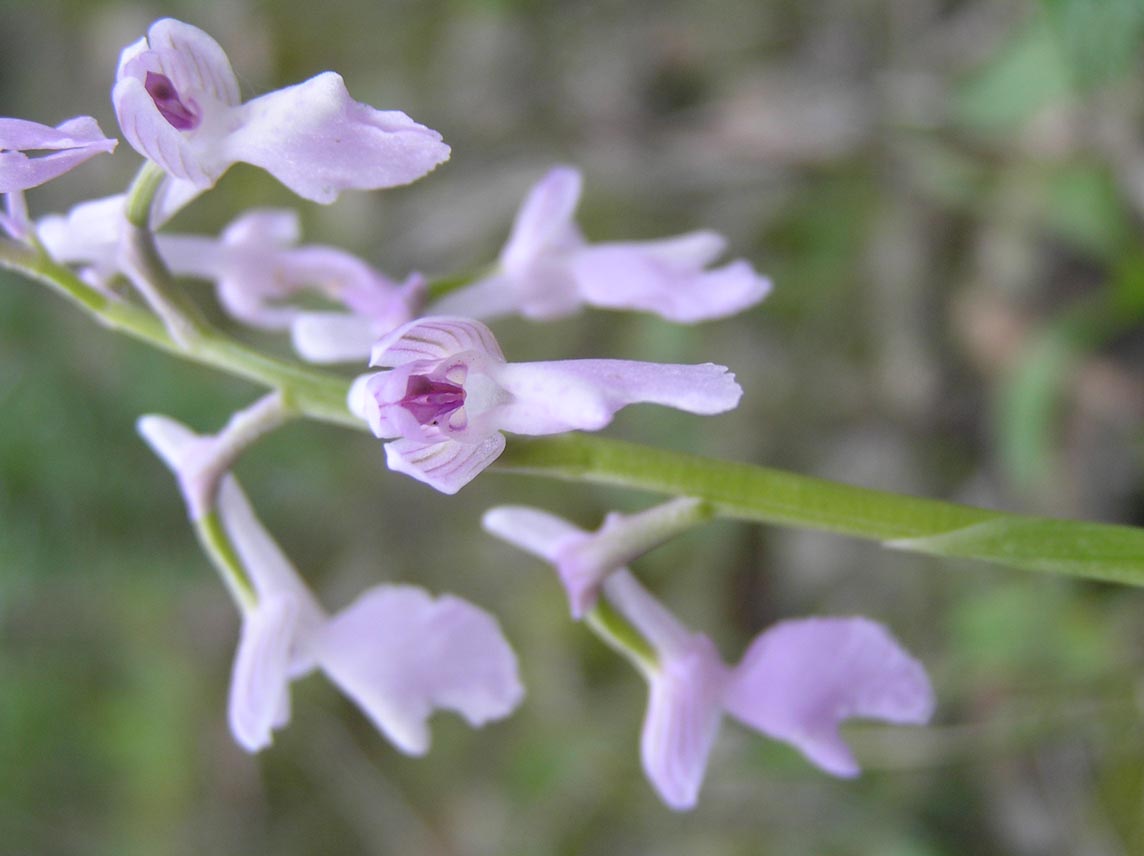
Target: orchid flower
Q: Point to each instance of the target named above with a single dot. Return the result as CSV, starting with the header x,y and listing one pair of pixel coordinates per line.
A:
x,y
67,146
547,270
258,267
178,104
797,682
450,393
396,651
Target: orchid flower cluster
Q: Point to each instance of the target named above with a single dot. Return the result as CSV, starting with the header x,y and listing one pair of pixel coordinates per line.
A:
x,y
443,398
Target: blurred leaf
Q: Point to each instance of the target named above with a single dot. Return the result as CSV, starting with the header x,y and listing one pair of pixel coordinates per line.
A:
x,y
1028,73
1099,38
1085,207
1022,631
1027,407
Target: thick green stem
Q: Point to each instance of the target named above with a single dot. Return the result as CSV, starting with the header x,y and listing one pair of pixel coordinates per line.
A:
x,y
745,492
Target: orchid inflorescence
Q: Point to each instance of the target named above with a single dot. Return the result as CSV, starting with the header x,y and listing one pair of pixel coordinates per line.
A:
x,y
443,399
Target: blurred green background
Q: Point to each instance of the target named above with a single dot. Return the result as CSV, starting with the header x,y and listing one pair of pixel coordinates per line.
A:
x,y
949,197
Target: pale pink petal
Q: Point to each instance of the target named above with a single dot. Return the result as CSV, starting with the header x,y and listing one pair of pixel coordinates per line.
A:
x,y
690,251
318,141
332,337
585,562
544,222
69,144
683,715
400,654
193,60
669,636
662,278
271,573
434,338
150,134
551,397
800,679
88,234
447,465
264,228
172,441
532,530
259,686
486,298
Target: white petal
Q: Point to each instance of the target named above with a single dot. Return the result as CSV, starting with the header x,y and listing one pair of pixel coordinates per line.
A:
x,y
544,221
260,686
446,465
270,571
800,679
400,654
566,395
332,337
682,722
434,338
170,440
318,141
532,530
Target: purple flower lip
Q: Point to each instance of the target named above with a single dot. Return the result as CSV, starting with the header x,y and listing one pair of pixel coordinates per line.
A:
x,y
166,99
431,400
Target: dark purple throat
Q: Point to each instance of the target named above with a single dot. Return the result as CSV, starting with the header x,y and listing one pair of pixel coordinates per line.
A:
x,y
166,98
431,400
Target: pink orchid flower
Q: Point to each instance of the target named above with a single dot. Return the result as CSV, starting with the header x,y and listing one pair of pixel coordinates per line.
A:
x,y
548,270
178,104
450,393
797,682
397,651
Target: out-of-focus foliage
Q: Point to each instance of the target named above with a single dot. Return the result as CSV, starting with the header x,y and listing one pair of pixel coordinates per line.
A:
x,y
948,196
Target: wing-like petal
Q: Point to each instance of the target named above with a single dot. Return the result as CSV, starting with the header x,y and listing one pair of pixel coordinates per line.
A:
x,y
446,465
800,679
436,337
400,654
260,682
318,141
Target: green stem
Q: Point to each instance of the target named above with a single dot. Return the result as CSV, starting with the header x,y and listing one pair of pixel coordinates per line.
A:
x,y
741,491
619,635
146,268
746,492
314,394
215,543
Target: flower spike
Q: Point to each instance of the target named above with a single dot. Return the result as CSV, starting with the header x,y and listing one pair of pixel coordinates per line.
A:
x,y
450,393
178,104
547,270
797,682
